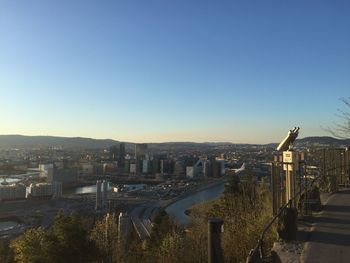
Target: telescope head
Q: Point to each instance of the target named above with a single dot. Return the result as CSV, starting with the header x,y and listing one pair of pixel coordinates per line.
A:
x,y
289,139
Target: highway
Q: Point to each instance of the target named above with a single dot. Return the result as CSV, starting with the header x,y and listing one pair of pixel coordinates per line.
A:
x,y
141,219
142,215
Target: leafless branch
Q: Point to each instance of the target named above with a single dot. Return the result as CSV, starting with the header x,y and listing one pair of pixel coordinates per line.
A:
x,y
341,129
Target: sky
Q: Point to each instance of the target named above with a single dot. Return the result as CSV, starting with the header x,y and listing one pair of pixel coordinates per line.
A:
x,y
155,71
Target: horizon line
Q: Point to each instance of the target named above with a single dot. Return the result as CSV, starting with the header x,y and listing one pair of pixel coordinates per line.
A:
x,y
163,142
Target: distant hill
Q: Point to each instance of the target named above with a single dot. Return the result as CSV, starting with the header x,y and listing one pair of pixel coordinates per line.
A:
x,y
21,141
323,140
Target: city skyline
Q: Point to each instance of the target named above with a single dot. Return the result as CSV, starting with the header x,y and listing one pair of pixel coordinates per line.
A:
x,y
176,71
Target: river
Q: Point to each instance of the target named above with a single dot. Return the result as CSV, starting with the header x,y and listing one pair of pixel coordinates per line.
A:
x,y
178,208
7,225
10,180
90,189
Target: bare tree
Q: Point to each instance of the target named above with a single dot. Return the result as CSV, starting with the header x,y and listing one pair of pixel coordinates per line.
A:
x,y
341,129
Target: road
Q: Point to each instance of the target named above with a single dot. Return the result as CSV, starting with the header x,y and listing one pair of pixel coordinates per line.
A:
x,y
330,235
141,216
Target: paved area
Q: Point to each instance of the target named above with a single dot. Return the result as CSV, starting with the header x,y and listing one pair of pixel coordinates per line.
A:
x,y
330,236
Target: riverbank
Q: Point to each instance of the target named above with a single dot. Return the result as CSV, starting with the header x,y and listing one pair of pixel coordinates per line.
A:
x,y
198,189
177,207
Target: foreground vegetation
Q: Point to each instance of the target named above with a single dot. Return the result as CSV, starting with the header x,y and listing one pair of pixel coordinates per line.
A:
x,y
244,207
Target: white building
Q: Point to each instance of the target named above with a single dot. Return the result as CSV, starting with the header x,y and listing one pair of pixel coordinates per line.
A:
x,y
12,192
189,171
133,168
101,195
145,166
39,190
45,169
197,170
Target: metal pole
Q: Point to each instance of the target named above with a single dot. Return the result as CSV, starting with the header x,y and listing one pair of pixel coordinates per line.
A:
x,y
287,184
274,188
300,186
347,164
283,185
324,165
214,240
343,165
306,192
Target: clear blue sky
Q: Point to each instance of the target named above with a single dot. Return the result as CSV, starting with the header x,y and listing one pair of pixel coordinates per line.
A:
x,y
240,71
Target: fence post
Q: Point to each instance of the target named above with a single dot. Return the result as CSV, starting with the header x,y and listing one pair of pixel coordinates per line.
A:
x,y
274,188
214,240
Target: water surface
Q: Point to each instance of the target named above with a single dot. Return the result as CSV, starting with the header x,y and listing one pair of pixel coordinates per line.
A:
x,y
90,189
7,225
10,180
178,208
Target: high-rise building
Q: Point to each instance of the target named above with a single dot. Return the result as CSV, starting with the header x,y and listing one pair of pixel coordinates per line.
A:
x,y
104,193
155,165
113,153
141,150
179,168
101,195
132,169
126,168
166,167
98,195
146,166
121,157
202,168
216,168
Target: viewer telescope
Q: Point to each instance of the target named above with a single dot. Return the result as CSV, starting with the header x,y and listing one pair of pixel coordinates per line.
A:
x,y
288,141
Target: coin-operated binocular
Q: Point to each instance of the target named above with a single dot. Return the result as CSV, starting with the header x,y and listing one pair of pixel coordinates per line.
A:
x,y
287,143
291,160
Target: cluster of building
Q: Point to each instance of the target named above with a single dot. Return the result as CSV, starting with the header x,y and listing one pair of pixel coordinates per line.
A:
x,y
212,167
19,191
55,173
68,167
143,162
